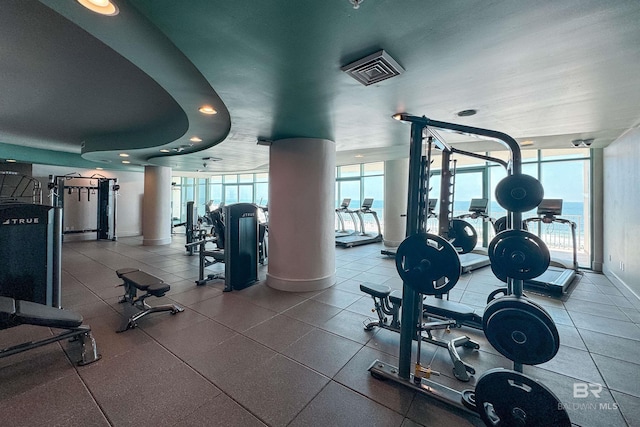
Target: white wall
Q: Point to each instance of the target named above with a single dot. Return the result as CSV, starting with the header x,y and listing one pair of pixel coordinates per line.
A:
x,y
622,209
82,213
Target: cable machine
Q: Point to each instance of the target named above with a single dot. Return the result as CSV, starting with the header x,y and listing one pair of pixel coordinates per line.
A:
x,y
104,191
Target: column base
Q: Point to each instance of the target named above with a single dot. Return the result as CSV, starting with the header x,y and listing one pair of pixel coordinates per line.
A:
x,y
300,285
156,242
391,243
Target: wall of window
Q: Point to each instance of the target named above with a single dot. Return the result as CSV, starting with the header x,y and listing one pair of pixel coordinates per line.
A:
x,y
564,174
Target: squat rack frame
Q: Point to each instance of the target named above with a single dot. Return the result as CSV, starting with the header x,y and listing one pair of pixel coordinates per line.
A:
x,y
410,298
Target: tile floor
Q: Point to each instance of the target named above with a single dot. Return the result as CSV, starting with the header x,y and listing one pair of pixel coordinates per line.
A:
x,y
262,357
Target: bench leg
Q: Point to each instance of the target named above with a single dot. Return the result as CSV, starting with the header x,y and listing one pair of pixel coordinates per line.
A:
x,y
89,351
131,322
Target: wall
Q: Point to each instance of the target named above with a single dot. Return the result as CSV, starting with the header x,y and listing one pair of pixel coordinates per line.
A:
x,y
622,209
128,203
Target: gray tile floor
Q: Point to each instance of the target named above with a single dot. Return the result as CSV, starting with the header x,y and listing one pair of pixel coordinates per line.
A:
x,y
263,357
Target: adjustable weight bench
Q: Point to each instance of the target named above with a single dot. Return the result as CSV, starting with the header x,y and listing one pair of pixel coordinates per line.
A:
x,y
17,312
448,314
134,280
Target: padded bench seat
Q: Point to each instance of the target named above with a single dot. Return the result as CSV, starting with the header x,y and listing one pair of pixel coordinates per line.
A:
x,y
135,279
452,310
17,312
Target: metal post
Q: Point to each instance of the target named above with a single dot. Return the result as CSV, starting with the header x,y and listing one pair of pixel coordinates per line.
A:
x,y
409,296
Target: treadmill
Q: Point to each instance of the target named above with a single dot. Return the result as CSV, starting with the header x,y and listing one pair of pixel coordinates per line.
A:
x,y
344,208
362,238
477,258
431,214
559,275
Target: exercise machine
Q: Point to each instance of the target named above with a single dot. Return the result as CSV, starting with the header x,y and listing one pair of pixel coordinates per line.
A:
x,y
559,276
104,191
362,238
431,207
237,239
344,209
31,253
477,258
518,328
19,188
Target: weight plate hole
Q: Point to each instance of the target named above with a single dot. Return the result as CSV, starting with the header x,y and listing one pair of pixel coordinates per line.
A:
x,y
519,415
519,337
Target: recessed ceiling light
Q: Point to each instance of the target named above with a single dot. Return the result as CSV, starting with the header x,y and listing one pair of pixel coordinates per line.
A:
x,y
103,7
526,143
99,169
11,160
195,139
126,162
207,109
359,156
123,155
467,113
165,150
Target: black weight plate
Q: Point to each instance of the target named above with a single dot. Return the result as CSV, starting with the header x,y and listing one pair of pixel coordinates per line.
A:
x,y
521,330
508,398
462,235
518,254
519,193
469,399
498,293
428,264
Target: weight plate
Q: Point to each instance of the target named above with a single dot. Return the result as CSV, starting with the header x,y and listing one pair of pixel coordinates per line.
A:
x,y
498,293
508,398
462,235
521,330
519,193
428,264
518,254
469,399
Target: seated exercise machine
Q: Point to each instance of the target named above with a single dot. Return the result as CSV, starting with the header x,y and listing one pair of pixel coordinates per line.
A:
x,y
16,312
559,276
518,328
134,280
237,237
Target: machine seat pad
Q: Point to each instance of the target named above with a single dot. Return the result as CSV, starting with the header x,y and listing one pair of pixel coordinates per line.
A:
x,y
141,280
217,254
449,309
396,297
380,291
158,289
124,271
32,313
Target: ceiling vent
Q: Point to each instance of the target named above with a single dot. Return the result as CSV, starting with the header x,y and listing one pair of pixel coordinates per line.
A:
x,y
373,68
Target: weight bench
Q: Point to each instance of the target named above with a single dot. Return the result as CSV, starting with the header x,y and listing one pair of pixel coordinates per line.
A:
x,y
133,280
448,314
17,312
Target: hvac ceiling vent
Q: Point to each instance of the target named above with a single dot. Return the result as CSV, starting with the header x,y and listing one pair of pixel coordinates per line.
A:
x,y
373,68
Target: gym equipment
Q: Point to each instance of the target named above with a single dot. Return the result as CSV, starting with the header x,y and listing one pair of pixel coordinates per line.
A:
x,y
418,377
500,224
193,230
344,208
31,253
106,190
518,254
476,258
462,235
509,398
449,314
241,235
428,264
17,312
133,280
362,238
431,206
519,193
18,188
208,257
520,330
558,276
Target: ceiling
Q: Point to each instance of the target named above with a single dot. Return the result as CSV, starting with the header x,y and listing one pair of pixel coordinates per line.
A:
x,y
80,88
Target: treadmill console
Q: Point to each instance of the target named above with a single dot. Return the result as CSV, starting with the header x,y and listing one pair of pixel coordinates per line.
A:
x,y
366,205
479,205
345,203
550,208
